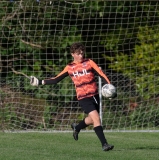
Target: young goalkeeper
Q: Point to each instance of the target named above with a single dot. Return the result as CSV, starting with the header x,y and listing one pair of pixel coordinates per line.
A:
x,y
82,71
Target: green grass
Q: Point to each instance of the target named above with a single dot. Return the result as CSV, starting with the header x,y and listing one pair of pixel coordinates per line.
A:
x,y
62,146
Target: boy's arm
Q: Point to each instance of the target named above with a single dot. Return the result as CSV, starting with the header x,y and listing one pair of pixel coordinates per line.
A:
x,y
56,79
35,82
99,72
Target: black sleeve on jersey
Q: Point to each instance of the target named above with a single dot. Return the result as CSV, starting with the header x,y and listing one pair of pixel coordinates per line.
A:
x,y
103,79
56,79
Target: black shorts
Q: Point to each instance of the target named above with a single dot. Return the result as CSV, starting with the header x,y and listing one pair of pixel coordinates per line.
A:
x,y
90,104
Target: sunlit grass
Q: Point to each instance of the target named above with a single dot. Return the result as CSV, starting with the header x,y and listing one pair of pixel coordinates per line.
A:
x,y
62,146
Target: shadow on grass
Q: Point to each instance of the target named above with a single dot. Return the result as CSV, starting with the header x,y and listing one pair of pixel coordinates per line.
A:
x,y
137,148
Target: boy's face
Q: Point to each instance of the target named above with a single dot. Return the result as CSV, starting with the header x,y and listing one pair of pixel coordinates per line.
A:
x,y
78,56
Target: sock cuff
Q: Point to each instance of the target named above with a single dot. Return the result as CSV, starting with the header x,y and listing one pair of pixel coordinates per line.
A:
x,y
81,125
98,128
84,122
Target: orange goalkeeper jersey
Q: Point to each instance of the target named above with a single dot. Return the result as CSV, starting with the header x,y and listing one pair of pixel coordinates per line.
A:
x,y
83,76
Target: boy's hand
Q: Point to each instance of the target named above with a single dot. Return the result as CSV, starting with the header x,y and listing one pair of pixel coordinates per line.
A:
x,y
34,81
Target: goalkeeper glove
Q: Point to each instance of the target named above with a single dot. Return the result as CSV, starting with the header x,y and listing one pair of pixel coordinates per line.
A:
x,y
34,81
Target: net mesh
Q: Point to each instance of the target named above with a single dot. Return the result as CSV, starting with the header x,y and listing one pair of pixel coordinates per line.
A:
x,y
120,36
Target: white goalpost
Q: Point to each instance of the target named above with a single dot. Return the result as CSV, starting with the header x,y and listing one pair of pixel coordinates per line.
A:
x,y
122,37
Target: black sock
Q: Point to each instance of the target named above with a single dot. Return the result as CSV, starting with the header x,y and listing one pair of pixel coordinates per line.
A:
x,y
99,132
81,125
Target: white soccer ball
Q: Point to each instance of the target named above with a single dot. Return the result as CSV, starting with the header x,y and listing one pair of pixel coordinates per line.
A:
x,y
108,90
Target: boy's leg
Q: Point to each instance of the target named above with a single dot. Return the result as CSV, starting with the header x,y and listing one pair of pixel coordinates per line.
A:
x,y
94,115
81,125
77,127
100,134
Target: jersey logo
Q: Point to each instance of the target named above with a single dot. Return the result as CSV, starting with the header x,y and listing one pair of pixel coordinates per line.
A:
x,y
84,64
77,74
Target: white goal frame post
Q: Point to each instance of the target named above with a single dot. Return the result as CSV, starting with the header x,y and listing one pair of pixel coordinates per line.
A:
x,y
122,37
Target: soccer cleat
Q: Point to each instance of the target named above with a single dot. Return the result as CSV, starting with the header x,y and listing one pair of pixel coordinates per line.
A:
x,y
107,147
75,133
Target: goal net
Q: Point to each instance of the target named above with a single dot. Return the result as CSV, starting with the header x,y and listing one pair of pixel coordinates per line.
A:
x,y
122,37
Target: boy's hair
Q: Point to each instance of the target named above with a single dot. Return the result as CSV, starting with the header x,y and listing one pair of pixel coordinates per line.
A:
x,y
77,47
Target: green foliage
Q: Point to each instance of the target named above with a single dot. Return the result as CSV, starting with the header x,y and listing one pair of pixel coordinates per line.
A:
x,y
33,29
145,116
139,65
21,112
35,38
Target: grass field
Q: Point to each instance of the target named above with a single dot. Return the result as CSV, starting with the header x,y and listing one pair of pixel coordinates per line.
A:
x,y
62,146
